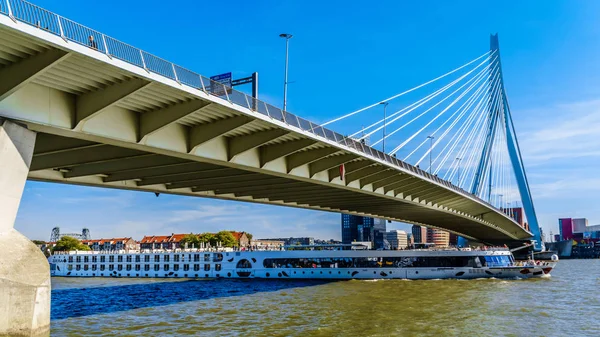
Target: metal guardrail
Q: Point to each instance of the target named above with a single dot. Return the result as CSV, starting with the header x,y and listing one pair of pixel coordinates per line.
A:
x,y
26,12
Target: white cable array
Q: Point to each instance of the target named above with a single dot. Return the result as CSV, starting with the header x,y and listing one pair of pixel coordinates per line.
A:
x,y
399,147
433,107
488,54
435,94
476,96
480,110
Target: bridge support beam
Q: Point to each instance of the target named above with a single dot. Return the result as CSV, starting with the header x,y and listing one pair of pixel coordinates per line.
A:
x,y
24,271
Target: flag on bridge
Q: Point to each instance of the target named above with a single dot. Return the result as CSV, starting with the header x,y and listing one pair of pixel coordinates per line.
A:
x,y
342,171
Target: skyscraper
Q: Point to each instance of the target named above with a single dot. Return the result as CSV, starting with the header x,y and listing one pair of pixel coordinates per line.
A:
x,y
419,234
360,228
438,237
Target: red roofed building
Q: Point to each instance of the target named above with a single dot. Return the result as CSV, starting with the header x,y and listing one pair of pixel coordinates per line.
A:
x,y
241,238
111,244
156,242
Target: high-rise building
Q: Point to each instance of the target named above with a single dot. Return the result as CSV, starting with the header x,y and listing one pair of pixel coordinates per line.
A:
x,y
397,239
419,234
517,214
565,227
361,228
438,237
453,241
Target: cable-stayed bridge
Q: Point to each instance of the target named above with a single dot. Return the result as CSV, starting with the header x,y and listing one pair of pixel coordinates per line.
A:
x,y
104,113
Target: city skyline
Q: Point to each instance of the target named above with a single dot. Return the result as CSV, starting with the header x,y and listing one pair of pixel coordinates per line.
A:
x,y
556,122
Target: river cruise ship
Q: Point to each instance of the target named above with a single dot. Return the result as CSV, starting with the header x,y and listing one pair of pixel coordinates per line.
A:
x,y
299,264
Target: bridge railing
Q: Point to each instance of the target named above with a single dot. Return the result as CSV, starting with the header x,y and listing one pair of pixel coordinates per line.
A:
x,y
26,12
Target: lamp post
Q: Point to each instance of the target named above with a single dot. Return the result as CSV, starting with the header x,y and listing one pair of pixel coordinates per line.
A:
x,y
385,104
287,38
430,150
458,159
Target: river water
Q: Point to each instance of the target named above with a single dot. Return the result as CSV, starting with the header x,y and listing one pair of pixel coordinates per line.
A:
x,y
566,304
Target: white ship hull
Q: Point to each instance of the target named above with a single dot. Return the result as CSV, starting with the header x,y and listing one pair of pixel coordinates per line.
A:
x,y
298,264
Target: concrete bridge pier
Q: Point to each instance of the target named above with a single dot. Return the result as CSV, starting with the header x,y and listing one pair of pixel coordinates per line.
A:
x,y
24,270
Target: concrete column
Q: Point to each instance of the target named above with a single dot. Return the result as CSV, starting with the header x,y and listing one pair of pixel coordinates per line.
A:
x,y
24,270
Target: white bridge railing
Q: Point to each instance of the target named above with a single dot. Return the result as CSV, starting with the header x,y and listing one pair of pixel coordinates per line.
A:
x,y
26,12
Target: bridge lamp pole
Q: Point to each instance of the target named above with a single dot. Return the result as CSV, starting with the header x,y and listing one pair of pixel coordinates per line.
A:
x,y
458,159
430,150
287,38
385,104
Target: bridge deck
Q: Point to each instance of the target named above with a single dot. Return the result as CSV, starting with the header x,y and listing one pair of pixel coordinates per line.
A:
x,y
106,122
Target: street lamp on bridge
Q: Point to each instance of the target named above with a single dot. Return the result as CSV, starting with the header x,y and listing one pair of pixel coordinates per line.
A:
x,y
385,104
430,150
287,38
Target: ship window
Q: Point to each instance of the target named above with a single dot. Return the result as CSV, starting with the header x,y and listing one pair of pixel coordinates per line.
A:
x,y
186,267
206,257
176,258
166,267
94,266
78,259
137,258
156,258
138,267
243,263
128,258
128,268
111,258
102,267
156,267
146,258
70,259
166,258
102,259
111,267
94,259
86,267
218,266
146,267
78,267
207,267
86,259
196,267
176,267
120,267
217,257
120,258
196,257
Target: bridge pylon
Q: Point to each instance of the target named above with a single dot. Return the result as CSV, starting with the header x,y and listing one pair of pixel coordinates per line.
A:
x,y
500,117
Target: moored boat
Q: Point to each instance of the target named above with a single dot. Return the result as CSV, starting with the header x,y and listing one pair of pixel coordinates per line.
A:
x,y
299,264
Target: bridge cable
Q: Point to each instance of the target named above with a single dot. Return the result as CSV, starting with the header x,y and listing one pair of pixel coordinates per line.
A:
x,y
415,106
488,54
431,108
476,96
458,135
437,116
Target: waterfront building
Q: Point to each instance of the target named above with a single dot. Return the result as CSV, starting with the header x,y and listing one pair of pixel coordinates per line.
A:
x,y
453,239
267,244
241,238
578,229
438,237
173,241
419,234
111,244
361,228
291,241
517,214
397,239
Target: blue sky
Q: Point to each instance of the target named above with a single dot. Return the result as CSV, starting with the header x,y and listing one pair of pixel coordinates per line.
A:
x,y
345,55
